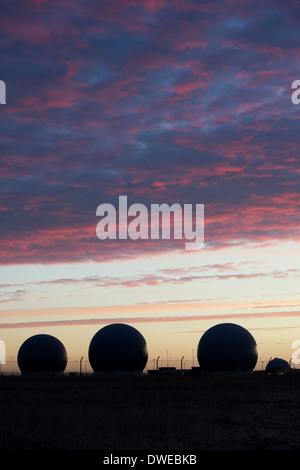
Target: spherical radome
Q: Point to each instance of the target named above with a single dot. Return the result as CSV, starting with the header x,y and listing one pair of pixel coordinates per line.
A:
x,y
227,347
277,364
118,347
42,353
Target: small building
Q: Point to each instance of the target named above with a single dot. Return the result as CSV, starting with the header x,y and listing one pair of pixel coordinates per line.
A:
x,y
277,366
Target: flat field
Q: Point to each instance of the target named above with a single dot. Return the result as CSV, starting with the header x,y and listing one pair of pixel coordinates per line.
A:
x,y
150,413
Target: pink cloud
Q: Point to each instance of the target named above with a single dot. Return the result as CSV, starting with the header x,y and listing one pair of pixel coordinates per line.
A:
x,y
133,320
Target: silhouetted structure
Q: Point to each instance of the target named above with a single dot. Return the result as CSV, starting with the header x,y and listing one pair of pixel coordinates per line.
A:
x,y
227,347
118,347
277,366
42,354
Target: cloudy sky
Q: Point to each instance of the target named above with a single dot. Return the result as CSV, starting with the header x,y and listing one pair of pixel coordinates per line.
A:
x,y
183,102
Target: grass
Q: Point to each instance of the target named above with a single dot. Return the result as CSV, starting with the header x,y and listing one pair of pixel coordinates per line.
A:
x,y
150,413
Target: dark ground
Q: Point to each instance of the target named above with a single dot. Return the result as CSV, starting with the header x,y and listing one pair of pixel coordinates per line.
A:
x,y
150,413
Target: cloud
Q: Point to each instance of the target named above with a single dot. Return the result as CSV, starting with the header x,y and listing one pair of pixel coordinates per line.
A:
x,y
148,319
164,102
163,277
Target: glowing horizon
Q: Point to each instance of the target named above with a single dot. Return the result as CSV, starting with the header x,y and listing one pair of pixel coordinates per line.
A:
x,y
182,102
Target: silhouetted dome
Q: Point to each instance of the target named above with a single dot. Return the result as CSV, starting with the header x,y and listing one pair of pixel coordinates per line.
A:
x,y
42,353
118,347
277,364
227,347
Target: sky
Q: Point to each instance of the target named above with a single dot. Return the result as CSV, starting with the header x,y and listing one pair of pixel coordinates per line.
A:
x,y
185,102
